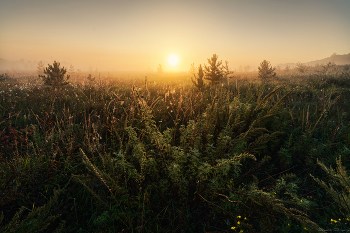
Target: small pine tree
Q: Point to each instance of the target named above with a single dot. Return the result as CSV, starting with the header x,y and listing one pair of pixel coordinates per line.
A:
x,y
40,68
198,81
266,71
71,69
213,72
192,69
55,76
226,70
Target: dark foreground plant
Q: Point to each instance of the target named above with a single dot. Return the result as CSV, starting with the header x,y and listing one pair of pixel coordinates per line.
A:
x,y
38,219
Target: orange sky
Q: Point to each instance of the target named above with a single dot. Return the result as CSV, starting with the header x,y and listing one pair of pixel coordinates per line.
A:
x,y
139,35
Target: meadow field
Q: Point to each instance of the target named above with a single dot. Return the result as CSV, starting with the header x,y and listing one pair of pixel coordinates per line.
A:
x,y
154,153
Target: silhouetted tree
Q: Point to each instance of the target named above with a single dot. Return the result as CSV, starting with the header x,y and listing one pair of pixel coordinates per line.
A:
x,y
198,81
71,69
266,71
55,76
226,71
214,72
192,69
40,68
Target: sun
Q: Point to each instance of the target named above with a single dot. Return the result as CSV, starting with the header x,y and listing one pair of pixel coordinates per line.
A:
x,y
173,59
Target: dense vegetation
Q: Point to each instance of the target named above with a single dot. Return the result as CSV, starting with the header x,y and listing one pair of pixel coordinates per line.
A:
x,y
163,155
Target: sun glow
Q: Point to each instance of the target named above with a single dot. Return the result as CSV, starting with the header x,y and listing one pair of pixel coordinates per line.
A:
x,y
173,60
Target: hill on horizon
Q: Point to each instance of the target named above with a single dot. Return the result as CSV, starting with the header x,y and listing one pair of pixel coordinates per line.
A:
x,y
337,59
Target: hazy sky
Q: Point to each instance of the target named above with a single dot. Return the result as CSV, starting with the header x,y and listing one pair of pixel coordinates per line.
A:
x,y
131,34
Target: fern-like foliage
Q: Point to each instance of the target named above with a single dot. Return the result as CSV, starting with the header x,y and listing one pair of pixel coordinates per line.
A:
x,y
38,220
185,166
340,190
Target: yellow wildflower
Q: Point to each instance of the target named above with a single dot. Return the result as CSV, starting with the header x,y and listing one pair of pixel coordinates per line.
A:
x,y
238,222
233,228
238,216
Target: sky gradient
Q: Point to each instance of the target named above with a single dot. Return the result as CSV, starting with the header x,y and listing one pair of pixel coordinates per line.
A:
x,y
139,35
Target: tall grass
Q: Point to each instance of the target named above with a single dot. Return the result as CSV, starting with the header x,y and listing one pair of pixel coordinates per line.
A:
x,y
157,155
